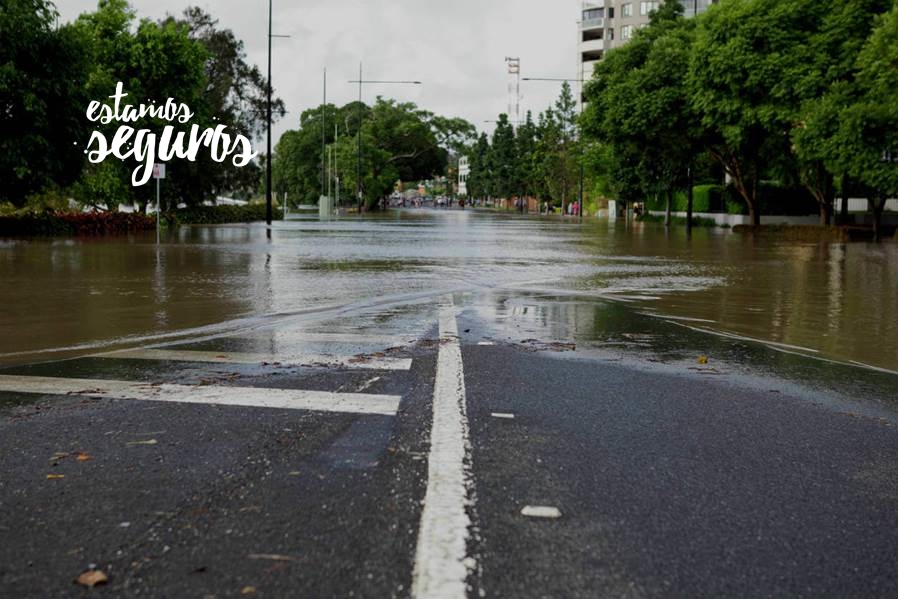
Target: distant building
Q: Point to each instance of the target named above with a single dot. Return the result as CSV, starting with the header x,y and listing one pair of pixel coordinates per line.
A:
x,y
607,24
464,169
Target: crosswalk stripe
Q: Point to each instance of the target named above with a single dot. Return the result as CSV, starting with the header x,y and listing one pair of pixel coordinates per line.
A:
x,y
295,399
361,361
353,338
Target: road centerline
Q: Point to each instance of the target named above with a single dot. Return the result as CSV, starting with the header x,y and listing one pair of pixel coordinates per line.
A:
x,y
441,560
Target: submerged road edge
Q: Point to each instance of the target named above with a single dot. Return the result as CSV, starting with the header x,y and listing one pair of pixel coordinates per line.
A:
x,y
441,561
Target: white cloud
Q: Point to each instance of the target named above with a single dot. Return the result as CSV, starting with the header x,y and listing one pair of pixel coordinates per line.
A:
x,y
456,48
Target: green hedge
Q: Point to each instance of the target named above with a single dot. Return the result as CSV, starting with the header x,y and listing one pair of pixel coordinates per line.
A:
x,y
217,215
773,198
74,223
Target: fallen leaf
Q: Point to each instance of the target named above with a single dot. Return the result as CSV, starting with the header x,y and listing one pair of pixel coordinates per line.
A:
x,y
82,456
92,578
55,476
703,359
147,442
248,590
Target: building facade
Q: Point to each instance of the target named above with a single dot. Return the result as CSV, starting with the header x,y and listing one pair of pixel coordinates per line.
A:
x,y
464,169
606,24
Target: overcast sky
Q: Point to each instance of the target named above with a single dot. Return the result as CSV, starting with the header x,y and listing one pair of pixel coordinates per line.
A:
x,y
457,48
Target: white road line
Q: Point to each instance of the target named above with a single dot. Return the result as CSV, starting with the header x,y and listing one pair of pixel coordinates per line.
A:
x,y
217,357
441,561
295,399
504,415
541,511
353,338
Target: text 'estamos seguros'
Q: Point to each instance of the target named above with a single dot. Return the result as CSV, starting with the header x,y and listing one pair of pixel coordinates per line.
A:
x,y
142,146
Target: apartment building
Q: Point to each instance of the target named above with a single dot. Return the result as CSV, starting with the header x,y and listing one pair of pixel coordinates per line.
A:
x,y
606,24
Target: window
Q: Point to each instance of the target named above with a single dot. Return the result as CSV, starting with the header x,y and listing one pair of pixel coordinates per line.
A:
x,y
647,7
626,32
609,33
626,10
593,13
610,12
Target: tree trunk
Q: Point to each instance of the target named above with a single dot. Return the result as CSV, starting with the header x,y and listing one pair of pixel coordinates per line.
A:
x,y
877,204
844,208
689,198
669,196
754,212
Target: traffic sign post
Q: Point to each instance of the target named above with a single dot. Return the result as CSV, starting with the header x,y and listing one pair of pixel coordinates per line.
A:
x,y
158,173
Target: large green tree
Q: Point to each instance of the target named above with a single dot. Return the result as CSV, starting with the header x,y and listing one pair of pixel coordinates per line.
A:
x,y
741,81
43,72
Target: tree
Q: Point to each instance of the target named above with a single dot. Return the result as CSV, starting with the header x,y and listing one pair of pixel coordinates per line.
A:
x,y
41,101
480,178
503,158
827,84
739,82
867,137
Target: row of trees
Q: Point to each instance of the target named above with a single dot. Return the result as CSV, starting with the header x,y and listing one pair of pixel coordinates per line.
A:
x,y
399,142
43,101
798,91
535,159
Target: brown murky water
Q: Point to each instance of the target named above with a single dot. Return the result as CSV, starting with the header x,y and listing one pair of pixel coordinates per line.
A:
x,y
69,297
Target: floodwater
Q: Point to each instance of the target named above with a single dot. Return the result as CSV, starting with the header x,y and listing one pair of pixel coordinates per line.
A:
x,y
66,297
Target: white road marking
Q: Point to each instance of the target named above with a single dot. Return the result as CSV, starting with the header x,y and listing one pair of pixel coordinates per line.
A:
x,y
502,415
295,399
441,561
486,343
217,357
541,511
353,338
368,383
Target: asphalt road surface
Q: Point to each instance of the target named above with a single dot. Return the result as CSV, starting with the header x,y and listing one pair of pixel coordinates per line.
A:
x,y
434,452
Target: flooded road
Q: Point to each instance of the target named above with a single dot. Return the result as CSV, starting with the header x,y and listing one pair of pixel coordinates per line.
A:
x,y
70,297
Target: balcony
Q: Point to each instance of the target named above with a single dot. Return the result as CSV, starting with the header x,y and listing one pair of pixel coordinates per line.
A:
x,y
592,46
595,23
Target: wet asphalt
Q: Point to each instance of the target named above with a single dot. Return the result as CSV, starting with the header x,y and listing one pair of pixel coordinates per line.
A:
x,y
670,482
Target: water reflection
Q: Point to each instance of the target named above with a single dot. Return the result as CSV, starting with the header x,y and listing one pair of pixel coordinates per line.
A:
x,y
836,299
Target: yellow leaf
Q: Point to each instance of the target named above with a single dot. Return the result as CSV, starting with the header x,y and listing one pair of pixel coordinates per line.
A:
x,y
248,590
92,578
703,359
55,476
82,457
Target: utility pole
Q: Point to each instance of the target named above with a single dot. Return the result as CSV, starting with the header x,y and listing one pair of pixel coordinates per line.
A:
x,y
323,142
268,159
268,155
358,167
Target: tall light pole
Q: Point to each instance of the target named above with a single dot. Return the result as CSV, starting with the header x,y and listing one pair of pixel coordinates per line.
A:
x,y
268,155
268,159
358,169
579,129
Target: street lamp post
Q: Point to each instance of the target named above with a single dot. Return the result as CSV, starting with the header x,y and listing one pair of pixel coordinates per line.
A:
x,y
358,171
580,130
268,156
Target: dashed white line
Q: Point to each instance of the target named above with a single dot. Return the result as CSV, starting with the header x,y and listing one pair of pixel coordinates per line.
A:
x,y
295,399
361,362
541,511
441,561
502,415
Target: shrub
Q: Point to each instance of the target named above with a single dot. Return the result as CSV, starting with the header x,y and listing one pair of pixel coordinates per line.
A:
x,y
216,215
74,223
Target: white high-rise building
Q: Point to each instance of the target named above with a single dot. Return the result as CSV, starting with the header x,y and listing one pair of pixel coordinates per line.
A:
x,y
606,24
464,169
